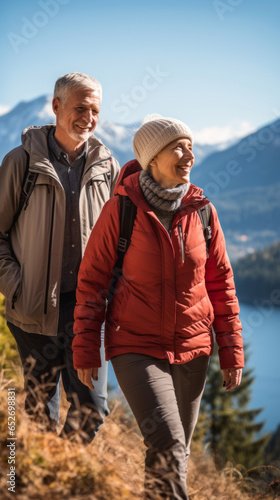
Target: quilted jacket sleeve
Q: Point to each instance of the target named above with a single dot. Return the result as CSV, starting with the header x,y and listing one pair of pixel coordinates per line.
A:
x,y
94,278
221,290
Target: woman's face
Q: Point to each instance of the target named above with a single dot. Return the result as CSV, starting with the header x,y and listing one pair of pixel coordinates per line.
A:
x,y
172,165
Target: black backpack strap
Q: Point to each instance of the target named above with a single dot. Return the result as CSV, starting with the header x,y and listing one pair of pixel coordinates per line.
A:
x,y
29,181
205,217
127,217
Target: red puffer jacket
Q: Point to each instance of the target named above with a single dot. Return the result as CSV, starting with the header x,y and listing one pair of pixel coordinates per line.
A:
x,y
164,305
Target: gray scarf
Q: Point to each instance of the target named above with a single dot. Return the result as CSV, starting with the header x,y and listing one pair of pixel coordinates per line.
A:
x,y
168,200
165,202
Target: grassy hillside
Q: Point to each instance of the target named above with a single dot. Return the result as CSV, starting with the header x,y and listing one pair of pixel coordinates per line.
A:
x,y
111,467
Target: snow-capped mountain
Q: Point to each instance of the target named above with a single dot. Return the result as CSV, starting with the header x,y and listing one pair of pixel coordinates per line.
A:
x,y
240,177
243,182
118,138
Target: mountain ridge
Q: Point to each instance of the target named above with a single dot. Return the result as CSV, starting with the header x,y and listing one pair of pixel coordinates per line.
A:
x,y
117,137
241,178
243,182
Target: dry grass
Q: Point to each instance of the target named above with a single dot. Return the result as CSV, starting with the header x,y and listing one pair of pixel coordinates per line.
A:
x,y
50,468
110,468
206,483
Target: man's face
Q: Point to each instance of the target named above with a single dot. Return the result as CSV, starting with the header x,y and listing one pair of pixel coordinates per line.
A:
x,y
76,117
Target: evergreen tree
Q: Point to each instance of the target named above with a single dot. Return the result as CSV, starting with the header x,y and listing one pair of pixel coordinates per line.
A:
x,y
231,433
257,275
272,450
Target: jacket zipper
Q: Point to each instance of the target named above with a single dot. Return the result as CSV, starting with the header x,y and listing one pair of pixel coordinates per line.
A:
x,y
181,242
162,295
49,256
89,187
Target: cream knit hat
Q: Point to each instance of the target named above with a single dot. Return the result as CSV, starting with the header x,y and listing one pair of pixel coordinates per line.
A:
x,y
154,135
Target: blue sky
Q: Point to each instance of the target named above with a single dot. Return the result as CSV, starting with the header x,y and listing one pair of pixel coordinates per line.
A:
x,y
213,64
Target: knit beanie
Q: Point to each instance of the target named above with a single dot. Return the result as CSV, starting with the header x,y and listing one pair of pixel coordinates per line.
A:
x,y
154,135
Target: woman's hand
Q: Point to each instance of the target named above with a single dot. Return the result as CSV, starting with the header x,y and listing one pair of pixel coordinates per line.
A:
x,y
232,378
86,374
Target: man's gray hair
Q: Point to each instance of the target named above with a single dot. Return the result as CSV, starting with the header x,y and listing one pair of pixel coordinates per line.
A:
x,y
73,81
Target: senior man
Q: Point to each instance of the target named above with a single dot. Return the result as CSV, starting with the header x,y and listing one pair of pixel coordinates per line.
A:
x,y
52,190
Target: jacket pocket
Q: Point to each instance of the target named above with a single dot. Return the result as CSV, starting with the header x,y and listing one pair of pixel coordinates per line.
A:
x,y
18,292
118,306
15,295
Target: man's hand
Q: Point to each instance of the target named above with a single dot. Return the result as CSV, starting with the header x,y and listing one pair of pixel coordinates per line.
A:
x,y
86,374
232,378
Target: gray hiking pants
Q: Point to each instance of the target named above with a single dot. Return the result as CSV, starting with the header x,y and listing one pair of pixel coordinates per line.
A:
x,y
165,401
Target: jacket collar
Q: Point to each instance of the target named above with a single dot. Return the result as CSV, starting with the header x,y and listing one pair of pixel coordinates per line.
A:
x,y
35,142
128,184
58,151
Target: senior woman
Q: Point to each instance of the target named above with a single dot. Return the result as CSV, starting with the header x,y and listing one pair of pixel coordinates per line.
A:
x,y
169,296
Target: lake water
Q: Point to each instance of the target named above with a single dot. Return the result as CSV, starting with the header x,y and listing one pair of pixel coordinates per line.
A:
x,y
261,332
